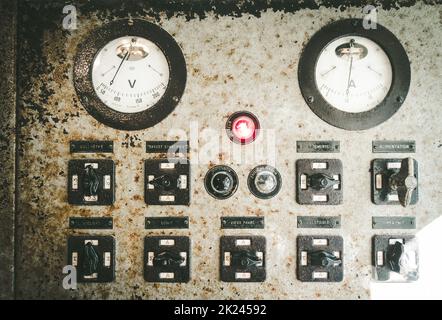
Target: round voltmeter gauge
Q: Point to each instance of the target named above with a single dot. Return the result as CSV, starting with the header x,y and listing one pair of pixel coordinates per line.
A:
x,y
354,78
129,74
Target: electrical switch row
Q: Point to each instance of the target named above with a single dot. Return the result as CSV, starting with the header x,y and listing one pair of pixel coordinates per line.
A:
x,y
243,258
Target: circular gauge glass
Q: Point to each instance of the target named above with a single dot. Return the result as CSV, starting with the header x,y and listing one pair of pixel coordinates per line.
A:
x,y
353,74
354,77
130,74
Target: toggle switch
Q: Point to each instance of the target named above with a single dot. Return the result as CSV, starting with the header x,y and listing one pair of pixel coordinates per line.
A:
x,y
320,258
319,181
221,182
243,258
264,182
395,181
395,258
324,258
166,259
167,181
90,261
93,257
91,182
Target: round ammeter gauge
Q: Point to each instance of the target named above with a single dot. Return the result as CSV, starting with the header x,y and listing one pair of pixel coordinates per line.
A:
x,y
354,78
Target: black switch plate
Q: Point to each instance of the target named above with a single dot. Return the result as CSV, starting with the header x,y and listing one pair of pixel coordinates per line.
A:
x,y
166,259
92,252
382,251
320,258
307,169
242,258
381,171
167,181
104,171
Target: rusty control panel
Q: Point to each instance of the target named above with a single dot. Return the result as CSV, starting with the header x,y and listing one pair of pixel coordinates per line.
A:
x,y
217,149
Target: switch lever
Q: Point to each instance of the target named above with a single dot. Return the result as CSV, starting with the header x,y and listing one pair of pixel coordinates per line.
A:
x,y
91,181
166,182
90,264
394,254
321,181
168,258
405,181
245,259
324,258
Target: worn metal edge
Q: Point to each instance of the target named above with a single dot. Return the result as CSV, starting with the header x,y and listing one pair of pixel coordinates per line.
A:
x,y
197,9
8,25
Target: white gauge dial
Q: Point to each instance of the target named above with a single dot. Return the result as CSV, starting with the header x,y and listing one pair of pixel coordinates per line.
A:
x,y
130,74
353,74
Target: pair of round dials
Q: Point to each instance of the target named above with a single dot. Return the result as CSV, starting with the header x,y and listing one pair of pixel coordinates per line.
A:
x,y
264,182
131,74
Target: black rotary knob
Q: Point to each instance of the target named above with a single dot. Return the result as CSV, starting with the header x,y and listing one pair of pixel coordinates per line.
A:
x,y
221,182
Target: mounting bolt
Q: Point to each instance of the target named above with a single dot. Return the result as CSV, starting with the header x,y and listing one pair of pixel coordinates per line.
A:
x,y
400,99
310,99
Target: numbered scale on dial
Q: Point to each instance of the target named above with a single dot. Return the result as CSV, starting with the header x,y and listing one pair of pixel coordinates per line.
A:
x,y
353,74
129,74
354,78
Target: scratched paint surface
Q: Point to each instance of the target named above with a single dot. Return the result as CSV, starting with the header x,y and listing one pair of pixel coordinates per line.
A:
x,y
245,62
7,148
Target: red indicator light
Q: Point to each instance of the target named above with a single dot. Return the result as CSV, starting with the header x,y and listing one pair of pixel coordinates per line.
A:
x,y
242,127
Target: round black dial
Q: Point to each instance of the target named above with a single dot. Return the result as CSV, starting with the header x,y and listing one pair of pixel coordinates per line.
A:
x,y
129,74
221,182
354,78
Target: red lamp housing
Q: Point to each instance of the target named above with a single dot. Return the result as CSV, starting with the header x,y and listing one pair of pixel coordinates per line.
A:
x,y
242,127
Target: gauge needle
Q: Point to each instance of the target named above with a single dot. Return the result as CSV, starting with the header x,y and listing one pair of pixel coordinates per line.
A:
x,y
121,63
349,71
